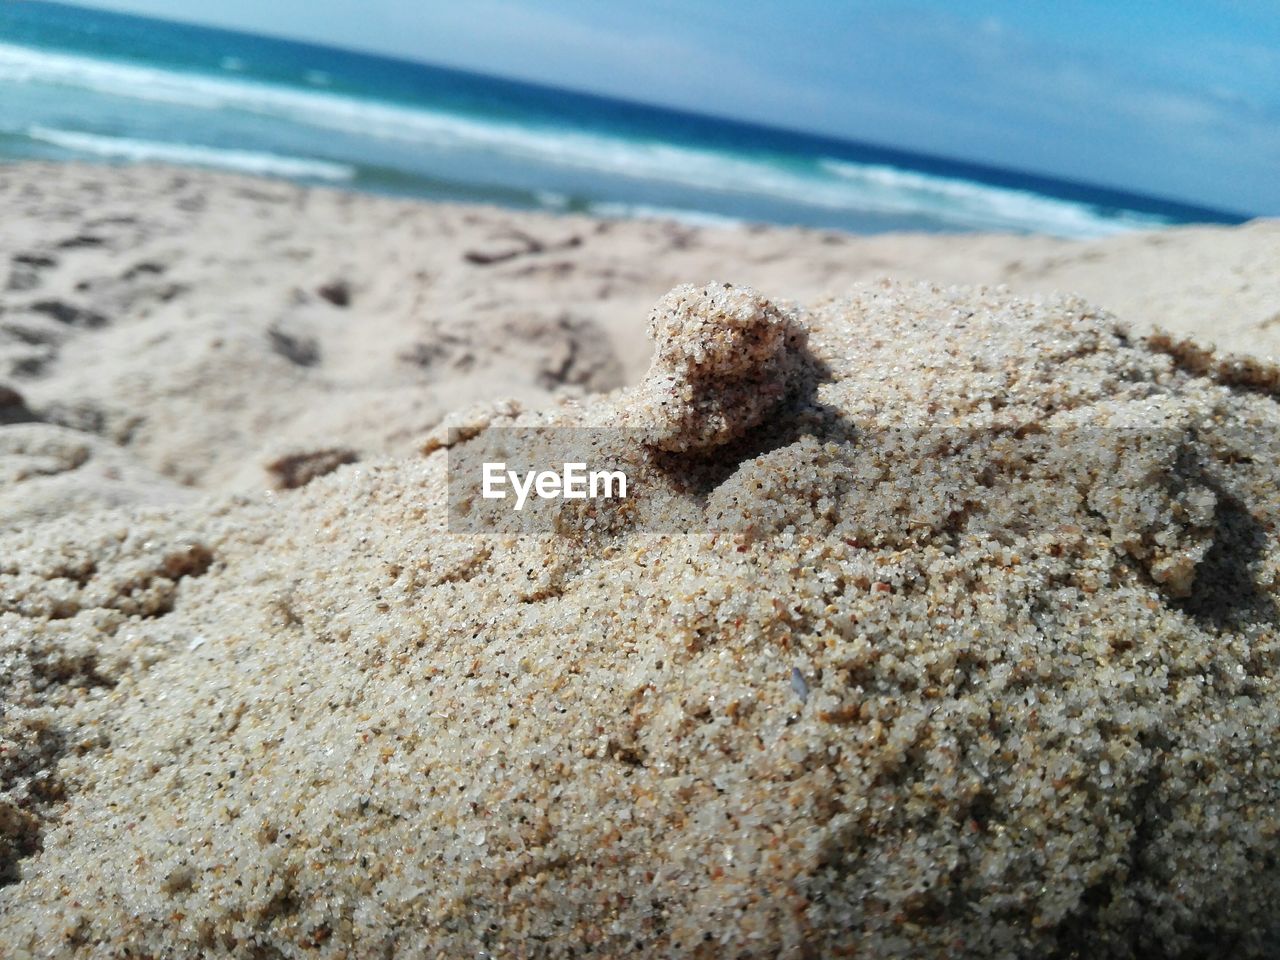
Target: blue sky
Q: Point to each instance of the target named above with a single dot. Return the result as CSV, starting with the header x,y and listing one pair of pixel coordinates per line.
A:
x,y
1179,98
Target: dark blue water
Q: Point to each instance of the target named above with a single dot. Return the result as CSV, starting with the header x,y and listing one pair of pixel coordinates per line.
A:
x,y
79,84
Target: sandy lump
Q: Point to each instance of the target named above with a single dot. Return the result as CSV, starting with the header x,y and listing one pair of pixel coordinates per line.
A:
x,y
1023,566
725,358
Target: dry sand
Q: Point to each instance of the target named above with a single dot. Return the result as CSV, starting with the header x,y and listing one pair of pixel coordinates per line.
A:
x,y
970,649
184,316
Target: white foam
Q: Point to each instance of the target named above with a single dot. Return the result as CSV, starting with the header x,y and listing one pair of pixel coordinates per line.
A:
x,y
830,184
242,161
983,205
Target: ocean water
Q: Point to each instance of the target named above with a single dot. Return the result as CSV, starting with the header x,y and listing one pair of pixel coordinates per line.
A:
x,y
87,85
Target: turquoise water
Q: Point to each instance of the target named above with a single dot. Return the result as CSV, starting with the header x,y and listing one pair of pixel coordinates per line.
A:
x,y
87,85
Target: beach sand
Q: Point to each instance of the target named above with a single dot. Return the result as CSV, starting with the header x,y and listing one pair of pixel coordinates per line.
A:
x,y
215,325
969,647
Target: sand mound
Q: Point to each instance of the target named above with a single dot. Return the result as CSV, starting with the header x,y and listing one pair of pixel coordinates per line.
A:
x,y
972,651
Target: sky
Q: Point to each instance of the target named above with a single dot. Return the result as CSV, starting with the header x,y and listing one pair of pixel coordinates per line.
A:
x,y
1177,98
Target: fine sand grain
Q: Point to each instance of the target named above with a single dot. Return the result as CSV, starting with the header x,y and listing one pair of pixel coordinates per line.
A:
x,y
969,649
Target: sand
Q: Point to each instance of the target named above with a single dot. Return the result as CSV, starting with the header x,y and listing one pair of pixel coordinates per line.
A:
x,y
214,325
967,647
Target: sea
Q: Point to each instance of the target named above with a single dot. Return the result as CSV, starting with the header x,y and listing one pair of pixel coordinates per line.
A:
x,y
85,85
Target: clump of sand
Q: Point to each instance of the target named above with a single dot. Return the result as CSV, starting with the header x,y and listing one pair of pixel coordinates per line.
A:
x,y
972,652
725,359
